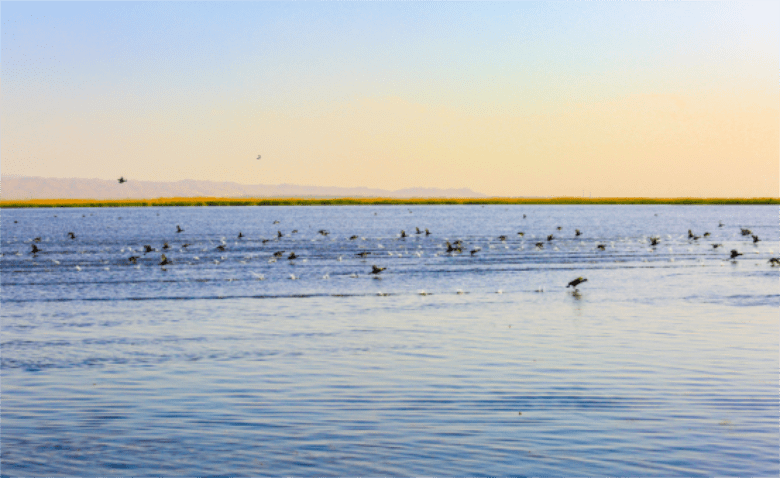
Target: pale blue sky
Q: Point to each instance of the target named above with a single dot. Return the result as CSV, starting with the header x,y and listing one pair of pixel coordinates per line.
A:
x,y
68,67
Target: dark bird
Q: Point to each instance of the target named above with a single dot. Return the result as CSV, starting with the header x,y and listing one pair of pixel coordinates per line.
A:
x,y
576,282
265,240
122,180
185,245
352,238
735,254
550,237
37,239
403,233
276,222
654,241
601,247
755,239
220,247
720,224
523,216
427,232
706,234
148,249
294,231
35,249
540,245
323,232
279,234
775,261
166,246
418,230
502,238
133,259
715,246
292,256
377,270
278,253
164,261
240,235
746,232
454,248
577,232
179,229
71,235
363,254
475,250
521,234
690,234
559,228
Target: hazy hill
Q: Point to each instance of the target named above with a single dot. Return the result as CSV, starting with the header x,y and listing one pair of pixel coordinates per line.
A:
x,y
74,188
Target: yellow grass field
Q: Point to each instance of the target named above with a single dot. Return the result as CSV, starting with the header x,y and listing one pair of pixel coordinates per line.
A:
x,y
212,201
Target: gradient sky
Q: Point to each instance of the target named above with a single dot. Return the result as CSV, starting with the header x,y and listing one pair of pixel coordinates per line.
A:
x,y
509,99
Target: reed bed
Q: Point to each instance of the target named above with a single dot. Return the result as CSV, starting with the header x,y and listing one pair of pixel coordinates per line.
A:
x,y
212,201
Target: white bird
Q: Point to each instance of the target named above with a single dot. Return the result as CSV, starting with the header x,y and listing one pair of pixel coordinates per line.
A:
x,y
259,276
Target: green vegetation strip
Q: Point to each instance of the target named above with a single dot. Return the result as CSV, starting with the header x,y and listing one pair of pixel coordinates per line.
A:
x,y
204,201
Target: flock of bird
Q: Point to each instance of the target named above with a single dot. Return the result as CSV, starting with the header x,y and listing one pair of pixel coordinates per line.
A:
x,y
455,247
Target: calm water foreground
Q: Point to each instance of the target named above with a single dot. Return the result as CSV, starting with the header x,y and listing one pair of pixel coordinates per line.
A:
x,y
664,363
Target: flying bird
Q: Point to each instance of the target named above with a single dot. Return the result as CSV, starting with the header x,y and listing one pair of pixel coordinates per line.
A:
x,y
576,282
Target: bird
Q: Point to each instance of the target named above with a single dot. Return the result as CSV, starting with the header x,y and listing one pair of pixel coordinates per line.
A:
x,y
601,247
37,239
71,235
35,249
706,234
240,235
220,247
454,248
577,232
735,254
147,249
363,254
715,246
377,270
576,282
352,238
166,246
745,232
502,238
540,245
521,234
122,180
133,259
475,250
403,233
278,253
279,234
258,156
323,232
654,241
165,261
294,231
179,229
755,239
418,230
292,256
185,245
559,228
774,261
720,224
276,222
427,232
550,237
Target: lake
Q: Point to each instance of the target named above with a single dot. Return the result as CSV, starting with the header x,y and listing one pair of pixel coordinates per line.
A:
x,y
235,359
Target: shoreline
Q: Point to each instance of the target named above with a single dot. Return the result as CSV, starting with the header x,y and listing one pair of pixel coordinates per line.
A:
x,y
212,201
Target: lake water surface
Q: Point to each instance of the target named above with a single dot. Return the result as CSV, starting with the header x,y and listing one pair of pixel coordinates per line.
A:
x,y
237,362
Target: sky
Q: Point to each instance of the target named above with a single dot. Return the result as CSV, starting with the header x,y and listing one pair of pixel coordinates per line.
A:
x,y
506,98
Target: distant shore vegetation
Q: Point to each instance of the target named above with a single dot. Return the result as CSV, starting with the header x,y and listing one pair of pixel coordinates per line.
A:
x,y
210,201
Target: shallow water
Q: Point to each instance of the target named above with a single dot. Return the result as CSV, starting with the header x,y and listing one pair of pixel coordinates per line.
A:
x,y
230,362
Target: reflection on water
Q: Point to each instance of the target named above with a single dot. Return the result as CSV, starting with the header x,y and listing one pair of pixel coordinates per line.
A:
x,y
232,359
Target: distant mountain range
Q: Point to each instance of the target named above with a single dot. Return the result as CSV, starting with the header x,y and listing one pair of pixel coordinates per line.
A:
x,y
20,187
